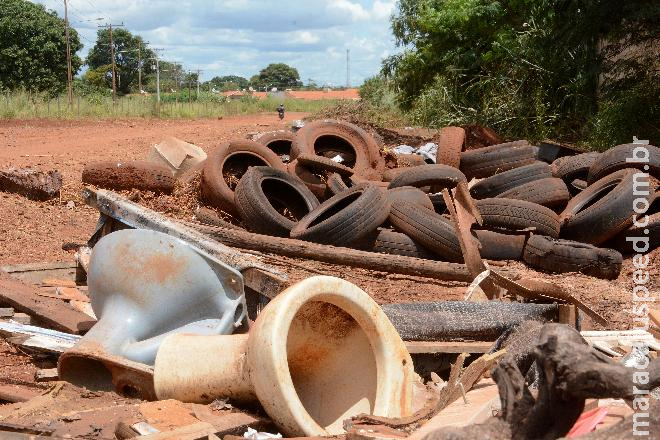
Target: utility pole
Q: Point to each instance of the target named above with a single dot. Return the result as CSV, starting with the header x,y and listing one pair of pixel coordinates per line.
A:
x,y
114,63
348,68
69,74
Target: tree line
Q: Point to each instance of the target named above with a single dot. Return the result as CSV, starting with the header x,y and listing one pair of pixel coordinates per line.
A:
x,y
33,58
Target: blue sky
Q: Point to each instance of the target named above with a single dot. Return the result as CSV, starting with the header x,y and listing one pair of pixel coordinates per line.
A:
x,y
224,37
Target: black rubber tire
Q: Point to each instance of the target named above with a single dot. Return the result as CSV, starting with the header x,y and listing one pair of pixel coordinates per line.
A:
x,y
434,175
518,214
488,161
261,190
650,232
386,241
497,246
495,185
346,217
431,230
142,175
314,182
550,192
335,184
604,209
561,256
570,168
279,142
215,189
412,195
614,159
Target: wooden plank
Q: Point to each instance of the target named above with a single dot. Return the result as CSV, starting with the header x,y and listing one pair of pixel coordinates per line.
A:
x,y
38,267
568,314
6,312
52,312
229,423
46,375
418,347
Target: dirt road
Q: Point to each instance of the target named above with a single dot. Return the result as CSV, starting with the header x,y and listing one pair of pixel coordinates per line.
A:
x,y
32,231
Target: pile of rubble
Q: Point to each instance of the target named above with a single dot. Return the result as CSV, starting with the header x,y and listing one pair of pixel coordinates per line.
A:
x,y
184,319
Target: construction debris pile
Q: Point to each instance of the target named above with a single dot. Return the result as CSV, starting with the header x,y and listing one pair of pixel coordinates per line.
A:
x,y
182,325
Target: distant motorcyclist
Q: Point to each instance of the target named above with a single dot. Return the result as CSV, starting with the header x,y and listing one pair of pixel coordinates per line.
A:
x,y
280,111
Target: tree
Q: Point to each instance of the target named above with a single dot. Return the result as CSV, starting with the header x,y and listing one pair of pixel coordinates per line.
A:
x,y
131,52
33,48
277,75
528,68
229,82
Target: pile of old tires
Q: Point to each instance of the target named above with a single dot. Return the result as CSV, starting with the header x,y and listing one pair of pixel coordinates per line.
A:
x,y
328,183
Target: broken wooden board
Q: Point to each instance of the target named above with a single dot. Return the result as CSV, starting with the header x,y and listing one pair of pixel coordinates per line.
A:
x,y
35,273
51,312
482,401
193,431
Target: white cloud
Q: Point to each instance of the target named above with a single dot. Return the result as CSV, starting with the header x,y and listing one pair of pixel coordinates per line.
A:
x,y
242,36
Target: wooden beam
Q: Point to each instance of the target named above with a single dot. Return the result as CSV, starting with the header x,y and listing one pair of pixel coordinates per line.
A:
x,y
51,312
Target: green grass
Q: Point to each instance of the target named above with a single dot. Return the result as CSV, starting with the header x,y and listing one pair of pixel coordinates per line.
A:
x,y
21,105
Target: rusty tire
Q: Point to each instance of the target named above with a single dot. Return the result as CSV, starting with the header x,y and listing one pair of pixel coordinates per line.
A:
x,y
450,145
499,183
141,175
517,215
313,181
278,141
647,231
264,193
217,188
324,164
561,256
429,229
410,194
488,161
615,159
604,208
550,192
329,137
435,175
346,217
498,246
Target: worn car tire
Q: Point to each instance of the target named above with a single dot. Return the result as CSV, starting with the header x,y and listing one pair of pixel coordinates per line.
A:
x,y
487,161
614,159
263,192
346,217
328,137
393,173
335,184
604,208
279,142
314,182
570,168
217,190
495,185
324,164
386,241
518,214
649,231
551,192
450,144
561,256
498,246
410,194
431,230
434,175
142,175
